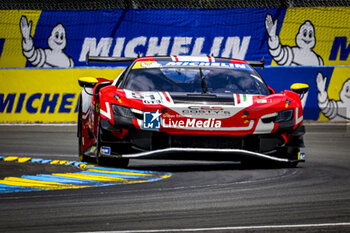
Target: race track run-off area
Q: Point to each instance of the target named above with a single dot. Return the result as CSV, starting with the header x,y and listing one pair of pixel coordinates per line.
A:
x,y
44,188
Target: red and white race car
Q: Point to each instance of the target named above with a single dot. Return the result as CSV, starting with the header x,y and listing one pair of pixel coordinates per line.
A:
x,y
185,107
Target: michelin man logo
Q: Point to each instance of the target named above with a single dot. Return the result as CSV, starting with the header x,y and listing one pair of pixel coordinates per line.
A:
x,y
333,110
54,56
301,54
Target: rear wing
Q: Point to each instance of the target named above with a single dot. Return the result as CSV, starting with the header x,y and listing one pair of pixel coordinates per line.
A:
x,y
260,63
105,59
109,59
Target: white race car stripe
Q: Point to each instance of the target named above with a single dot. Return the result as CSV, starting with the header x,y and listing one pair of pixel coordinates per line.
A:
x,y
106,113
190,58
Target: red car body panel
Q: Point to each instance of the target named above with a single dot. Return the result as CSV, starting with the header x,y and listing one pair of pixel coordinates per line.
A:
x,y
249,115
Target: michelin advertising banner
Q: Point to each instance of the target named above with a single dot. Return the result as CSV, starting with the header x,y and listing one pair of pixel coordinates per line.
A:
x,y
43,95
329,89
310,45
293,36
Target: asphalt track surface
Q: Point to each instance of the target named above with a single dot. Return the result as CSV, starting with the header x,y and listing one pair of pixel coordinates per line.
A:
x,y
198,197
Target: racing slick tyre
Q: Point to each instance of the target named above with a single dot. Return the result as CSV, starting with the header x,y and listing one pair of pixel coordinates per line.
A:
x,y
82,157
107,161
291,153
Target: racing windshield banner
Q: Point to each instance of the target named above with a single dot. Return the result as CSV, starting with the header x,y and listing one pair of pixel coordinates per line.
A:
x,y
293,36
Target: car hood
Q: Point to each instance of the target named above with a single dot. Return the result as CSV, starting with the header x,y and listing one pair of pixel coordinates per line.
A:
x,y
197,105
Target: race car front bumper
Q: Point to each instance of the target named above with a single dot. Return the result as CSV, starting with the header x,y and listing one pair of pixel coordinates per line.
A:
x,y
220,154
149,144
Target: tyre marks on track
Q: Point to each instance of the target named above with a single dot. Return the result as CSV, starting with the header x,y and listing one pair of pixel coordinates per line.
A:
x,y
90,176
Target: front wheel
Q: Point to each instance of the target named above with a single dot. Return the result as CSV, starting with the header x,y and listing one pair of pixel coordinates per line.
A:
x,y
82,157
107,161
290,153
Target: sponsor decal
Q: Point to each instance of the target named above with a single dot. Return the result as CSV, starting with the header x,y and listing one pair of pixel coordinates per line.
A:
x,y
151,65
261,101
160,64
209,64
106,150
191,123
151,120
206,111
146,97
151,101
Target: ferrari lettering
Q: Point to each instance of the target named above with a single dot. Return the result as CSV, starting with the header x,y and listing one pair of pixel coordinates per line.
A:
x,y
234,46
205,110
38,103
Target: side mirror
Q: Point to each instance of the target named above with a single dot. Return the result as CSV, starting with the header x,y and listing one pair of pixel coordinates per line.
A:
x,y
87,81
302,89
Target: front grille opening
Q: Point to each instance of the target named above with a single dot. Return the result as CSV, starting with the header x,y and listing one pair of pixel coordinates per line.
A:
x,y
206,142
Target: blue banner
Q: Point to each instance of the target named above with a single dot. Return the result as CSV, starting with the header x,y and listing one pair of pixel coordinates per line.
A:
x,y
237,33
281,78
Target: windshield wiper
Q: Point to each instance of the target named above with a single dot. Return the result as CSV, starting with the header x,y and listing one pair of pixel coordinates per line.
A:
x,y
203,83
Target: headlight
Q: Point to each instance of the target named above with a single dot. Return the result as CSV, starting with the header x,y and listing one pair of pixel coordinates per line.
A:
x,y
284,116
122,111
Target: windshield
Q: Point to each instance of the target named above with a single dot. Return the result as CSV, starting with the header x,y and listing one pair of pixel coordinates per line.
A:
x,y
196,80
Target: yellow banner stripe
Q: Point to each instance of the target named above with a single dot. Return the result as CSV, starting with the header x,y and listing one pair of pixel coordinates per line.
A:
x,y
27,90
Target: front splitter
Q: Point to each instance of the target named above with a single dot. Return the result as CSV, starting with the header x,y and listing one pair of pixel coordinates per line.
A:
x,y
225,154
